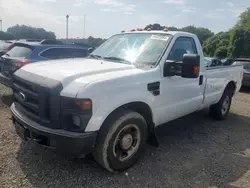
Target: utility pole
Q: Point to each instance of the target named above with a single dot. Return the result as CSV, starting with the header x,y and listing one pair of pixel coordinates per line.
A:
x,y
1,25
67,27
84,26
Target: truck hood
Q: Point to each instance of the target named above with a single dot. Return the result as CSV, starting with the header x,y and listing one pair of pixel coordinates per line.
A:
x,y
69,70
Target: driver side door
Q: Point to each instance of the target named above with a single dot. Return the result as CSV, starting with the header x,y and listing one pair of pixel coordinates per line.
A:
x,y
181,96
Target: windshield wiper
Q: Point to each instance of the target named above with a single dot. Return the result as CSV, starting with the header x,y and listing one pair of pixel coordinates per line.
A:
x,y
117,59
95,56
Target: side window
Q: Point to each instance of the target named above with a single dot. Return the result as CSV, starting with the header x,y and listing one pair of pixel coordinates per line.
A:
x,y
78,53
53,53
59,53
182,45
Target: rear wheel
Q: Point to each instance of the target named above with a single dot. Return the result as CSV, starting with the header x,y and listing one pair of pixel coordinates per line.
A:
x,y
220,110
121,140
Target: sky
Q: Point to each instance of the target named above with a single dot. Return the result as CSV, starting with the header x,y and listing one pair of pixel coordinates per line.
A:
x,y
107,17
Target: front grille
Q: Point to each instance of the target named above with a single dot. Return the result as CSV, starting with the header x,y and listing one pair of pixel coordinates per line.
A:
x,y
32,99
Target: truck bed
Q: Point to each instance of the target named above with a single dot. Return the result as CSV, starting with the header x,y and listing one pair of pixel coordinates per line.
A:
x,y
216,80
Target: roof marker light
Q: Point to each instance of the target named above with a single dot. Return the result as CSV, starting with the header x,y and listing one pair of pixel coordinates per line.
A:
x,y
165,29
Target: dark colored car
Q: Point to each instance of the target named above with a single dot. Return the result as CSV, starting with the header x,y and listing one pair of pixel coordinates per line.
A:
x,y
227,62
42,41
246,65
212,62
22,53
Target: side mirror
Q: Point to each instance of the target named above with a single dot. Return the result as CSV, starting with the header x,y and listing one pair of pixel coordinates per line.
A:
x,y
190,66
90,50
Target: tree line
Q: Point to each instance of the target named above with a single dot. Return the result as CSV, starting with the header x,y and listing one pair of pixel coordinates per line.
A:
x,y
233,43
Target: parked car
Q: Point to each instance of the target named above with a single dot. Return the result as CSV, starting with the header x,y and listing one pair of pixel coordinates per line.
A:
x,y
23,53
245,62
227,62
5,46
42,41
110,103
212,62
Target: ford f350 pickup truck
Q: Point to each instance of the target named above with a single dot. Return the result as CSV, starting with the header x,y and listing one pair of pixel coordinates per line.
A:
x,y
110,103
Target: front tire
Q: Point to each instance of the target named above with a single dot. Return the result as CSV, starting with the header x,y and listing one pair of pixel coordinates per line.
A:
x,y
220,110
121,140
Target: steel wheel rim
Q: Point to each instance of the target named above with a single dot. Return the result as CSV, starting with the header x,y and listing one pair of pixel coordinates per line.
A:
x,y
225,105
127,142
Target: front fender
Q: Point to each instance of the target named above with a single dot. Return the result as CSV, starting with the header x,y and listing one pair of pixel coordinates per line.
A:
x,y
107,105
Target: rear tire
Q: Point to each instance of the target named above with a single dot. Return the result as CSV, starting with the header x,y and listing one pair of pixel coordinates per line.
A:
x,y
220,110
121,140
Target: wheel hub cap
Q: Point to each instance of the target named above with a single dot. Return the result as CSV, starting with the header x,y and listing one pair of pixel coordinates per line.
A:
x,y
126,141
225,105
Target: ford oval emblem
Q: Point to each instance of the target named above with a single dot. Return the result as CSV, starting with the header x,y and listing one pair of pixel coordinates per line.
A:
x,y
22,96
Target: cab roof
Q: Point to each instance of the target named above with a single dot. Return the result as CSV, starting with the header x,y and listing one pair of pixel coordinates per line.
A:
x,y
161,32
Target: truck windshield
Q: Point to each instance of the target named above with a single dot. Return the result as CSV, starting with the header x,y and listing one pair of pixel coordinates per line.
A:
x,y
133,48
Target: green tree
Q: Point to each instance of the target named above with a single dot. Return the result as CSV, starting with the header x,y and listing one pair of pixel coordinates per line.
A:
x,y
221,52
217,45
157,26
27,32
202,33
6,36
244,20
239,43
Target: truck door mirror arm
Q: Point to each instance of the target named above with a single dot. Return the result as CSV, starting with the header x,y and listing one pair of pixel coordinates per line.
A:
x,y
189,67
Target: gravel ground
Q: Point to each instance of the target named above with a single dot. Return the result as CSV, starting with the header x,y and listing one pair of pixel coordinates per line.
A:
x,y
195,151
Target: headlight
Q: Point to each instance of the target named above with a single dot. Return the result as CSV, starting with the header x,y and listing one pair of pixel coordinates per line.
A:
x,y
75,113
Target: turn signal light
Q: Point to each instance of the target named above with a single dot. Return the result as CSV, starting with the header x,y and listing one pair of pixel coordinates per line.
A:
x,y
196,70
21,63
85,105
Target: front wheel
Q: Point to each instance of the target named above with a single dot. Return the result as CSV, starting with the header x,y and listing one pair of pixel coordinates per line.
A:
x,y
220,110
121,140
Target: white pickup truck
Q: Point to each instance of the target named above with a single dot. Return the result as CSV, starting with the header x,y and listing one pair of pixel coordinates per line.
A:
x,y
110,103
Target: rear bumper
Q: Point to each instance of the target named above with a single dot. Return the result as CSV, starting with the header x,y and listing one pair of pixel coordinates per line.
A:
x,y
64,142
6,80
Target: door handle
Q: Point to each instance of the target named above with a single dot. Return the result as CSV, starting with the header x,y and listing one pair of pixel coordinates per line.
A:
x,y
201,80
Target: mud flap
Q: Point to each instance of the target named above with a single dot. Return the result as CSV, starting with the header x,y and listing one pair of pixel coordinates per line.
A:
x,y
153,140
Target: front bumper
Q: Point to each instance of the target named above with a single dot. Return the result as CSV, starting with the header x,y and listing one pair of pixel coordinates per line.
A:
x,y
69,143
6,80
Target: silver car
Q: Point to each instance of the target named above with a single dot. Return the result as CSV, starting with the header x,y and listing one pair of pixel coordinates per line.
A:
x,y
246,65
